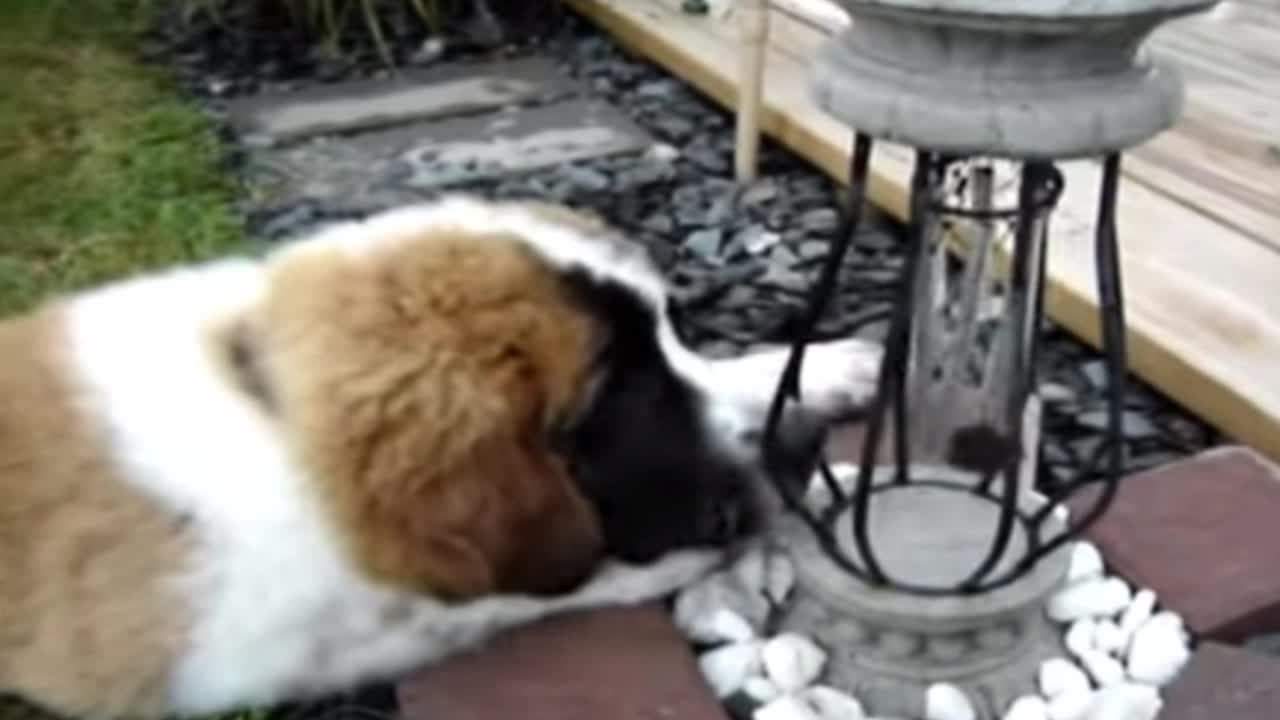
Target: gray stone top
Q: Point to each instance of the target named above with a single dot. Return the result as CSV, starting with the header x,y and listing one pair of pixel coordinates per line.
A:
x,y
1022,78
1046,9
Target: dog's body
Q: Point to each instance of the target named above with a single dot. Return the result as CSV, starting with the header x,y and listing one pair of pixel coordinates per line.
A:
x,y
255,481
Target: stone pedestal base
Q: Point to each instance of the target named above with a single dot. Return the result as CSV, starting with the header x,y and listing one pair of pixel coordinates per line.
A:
x,y
887,646
991,675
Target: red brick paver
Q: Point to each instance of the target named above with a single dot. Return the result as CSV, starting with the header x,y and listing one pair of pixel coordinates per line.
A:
x,y
614,664
1225,683
1203,533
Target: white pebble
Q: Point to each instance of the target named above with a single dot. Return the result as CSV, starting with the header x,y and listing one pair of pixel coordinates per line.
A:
x,y
1126,701
725,625
1052,392
718,609
1079,637
1027,707
761,689
663,152
757,243
779,577
1108,637
1071,705
818,494
430,50
792,661
1104,669
1159,650
727,667
1085,563
833,704
749,569
785,707
944,701
1138,612
1059,676
1097,598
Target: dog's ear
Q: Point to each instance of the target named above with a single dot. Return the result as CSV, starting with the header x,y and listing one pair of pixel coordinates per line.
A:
x,y
547,538
419,387
467,503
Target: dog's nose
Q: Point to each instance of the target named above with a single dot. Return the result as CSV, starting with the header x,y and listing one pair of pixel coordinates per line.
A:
x,y
800,438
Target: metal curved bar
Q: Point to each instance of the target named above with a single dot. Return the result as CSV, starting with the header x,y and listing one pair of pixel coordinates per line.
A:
x,y
1111,317
789,383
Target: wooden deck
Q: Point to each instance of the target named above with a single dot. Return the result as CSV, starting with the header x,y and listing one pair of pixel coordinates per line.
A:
x,y
1199,209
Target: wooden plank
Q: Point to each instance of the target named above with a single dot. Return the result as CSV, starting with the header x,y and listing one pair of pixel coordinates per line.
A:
x,y
1204,314
1221,158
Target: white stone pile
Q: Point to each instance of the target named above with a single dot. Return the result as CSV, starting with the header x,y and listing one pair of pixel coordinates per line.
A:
x,y
729,611
1121,649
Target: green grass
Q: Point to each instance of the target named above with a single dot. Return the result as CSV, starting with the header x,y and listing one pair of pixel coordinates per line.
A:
x,y
104,170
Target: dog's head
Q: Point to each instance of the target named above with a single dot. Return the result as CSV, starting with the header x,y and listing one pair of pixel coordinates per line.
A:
x,y
491,397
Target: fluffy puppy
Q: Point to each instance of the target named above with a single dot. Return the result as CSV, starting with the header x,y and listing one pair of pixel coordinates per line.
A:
x,y
255,481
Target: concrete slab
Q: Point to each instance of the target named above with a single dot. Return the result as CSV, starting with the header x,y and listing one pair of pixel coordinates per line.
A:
x,y
1225,683
447,91
609,664
435,155
469,149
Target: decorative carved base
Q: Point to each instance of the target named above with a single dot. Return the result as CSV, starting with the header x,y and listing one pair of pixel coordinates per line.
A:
x,y
992,666
887,646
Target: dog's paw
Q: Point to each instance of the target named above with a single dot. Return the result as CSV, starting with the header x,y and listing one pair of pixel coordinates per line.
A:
x,y
838,378
619,583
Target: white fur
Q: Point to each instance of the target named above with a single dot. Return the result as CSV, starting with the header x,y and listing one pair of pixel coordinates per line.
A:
x,y
278,612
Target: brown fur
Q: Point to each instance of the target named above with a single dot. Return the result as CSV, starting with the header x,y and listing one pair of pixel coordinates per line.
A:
x,y
86,619
419,385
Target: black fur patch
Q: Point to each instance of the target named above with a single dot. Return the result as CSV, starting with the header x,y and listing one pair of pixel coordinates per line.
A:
x,y
641,451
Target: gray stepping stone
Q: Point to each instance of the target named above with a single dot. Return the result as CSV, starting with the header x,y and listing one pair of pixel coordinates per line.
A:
x,y
426,156
446,91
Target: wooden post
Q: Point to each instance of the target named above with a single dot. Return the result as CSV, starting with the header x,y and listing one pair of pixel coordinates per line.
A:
x,y
753,23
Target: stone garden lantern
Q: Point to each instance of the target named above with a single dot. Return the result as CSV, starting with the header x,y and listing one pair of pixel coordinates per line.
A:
x,y
932,562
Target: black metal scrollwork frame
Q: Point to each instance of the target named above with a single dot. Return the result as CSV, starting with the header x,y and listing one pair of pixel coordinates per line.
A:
x,y
1040,185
